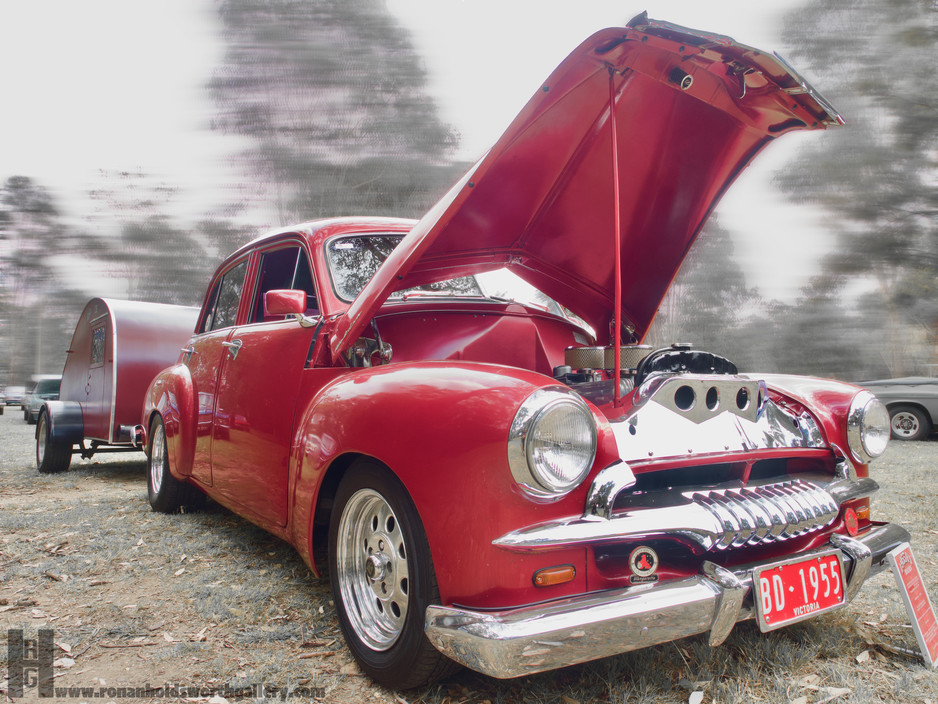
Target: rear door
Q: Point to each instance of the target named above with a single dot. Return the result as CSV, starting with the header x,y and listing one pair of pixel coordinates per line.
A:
x,y
205,357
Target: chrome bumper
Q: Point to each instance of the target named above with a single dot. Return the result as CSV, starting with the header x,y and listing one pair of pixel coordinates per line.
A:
x,y
542,637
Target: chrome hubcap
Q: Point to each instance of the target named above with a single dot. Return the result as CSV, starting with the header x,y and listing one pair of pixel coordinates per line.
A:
x,y
157,452
905,424
373,578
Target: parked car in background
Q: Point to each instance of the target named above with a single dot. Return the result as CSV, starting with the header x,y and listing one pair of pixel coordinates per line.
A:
x,y
912,403
14,395
514,489
45,389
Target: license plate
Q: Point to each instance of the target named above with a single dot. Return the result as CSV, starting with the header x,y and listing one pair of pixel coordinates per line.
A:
x,y
797,589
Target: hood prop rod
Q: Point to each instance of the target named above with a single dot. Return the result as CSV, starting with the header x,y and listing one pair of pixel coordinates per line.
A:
x,y
617,320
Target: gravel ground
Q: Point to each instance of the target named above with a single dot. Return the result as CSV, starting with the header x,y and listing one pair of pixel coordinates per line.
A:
x,y
137,598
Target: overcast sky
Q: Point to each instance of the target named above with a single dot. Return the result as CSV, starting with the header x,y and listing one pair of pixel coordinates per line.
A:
x,y
116,85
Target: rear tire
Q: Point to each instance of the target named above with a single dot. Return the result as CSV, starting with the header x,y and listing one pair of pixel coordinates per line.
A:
x,y
51,457
908,423
383,579
166,493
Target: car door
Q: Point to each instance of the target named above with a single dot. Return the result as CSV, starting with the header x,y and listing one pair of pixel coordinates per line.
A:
x,y
205,356
257,393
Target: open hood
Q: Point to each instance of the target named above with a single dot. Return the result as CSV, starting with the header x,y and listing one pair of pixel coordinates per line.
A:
x,y
691,111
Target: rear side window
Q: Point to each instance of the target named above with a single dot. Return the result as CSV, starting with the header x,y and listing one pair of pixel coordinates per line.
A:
x,y
223,303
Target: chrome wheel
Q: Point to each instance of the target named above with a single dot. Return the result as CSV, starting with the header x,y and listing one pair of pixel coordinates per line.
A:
x,y
373,575
905,425
42,437
908,423
157,458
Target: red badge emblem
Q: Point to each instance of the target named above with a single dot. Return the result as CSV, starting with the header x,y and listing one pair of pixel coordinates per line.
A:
x,y
644,564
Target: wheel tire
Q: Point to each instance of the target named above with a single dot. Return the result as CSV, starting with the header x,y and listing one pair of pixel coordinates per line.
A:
x,y
382,579
166,493
51,457
30,418
908,423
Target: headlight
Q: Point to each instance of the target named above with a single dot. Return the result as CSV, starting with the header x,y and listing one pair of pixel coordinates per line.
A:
x,y
552,443
867,427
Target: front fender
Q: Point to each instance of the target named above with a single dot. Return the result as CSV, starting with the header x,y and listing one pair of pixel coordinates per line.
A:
x,y
172,395
828,400
442,428
66,422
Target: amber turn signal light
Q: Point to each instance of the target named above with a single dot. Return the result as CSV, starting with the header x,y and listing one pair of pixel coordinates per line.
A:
x,y
549,576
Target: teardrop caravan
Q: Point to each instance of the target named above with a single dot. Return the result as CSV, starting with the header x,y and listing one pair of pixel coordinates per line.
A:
x,y
116,350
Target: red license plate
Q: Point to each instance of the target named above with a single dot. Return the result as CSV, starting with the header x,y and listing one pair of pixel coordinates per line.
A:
x,y
797,589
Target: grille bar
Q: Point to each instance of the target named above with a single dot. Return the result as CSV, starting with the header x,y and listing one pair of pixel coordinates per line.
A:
x,y
765,514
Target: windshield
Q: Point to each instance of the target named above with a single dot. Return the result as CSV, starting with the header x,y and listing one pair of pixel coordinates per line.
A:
x,y
354,260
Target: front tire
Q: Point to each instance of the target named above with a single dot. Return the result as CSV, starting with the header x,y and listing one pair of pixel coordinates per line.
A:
x,y
51,457
382,578
166,493
908,423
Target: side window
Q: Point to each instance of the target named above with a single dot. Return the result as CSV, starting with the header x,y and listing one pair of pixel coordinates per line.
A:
x,y
97,346
284,269
223,302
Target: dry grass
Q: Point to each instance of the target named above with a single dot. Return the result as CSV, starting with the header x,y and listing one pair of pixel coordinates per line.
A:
x,y
139,598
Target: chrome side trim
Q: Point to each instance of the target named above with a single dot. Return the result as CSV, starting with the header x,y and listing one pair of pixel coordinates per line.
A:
x,y
530,639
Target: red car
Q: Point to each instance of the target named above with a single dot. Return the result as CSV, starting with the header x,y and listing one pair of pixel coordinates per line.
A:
x,y
513,489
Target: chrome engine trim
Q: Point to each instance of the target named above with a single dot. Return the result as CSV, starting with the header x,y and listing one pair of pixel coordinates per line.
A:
x,y
716,518
683,414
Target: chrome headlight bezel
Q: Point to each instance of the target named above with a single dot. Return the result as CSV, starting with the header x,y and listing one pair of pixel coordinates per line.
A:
x,y
533,478
868,427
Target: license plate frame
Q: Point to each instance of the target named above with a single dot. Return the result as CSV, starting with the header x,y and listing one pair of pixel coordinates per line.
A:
x,y
788,578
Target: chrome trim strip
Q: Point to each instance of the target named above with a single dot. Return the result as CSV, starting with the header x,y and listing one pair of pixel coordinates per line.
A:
x,y
862,558
530,639
711,519
729,602
605,487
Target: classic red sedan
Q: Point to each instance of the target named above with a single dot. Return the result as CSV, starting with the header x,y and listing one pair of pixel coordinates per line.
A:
x,y
517,486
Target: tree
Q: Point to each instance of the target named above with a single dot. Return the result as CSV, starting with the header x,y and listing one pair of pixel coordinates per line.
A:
x,y
877,176
36,305
709,302
331,97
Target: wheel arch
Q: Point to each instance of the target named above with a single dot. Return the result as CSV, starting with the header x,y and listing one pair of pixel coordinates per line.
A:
x,y
318,533
66,421
892,405
171,396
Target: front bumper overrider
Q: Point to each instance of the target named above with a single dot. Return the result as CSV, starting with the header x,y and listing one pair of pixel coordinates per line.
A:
x,y
531,639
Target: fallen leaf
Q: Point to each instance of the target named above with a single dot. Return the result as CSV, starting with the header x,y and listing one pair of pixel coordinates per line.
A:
x,y
863,657
695,698
179,571
64,662
568,700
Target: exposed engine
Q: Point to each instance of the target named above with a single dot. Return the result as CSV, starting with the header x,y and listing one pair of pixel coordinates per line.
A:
x,y
589,370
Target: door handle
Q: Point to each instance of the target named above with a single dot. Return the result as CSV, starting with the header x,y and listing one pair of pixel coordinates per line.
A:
x,y
233,348
188,351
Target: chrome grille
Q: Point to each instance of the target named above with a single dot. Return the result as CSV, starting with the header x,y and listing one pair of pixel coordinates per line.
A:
x,y
768,513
